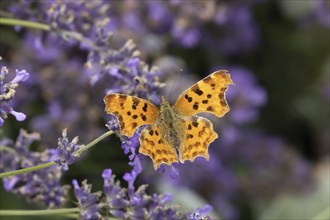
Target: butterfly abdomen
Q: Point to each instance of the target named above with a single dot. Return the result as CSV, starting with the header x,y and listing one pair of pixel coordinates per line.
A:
x,y
171,125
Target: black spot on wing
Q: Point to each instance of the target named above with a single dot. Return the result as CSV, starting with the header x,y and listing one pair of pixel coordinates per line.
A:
x,y
195,124
197,90
134,125
136,102
189,99
195,106
122,97
144,108
207,79
210,108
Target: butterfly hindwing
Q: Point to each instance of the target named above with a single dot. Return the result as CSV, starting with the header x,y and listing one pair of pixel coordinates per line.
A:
x,y
130,111
154,145
198,136
207,95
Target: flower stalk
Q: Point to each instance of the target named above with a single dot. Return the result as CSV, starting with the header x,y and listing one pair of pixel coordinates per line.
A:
x,y
27,170
23,23
38,212
49,164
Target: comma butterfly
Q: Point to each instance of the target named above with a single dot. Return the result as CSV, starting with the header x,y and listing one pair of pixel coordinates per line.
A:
x,y
174,133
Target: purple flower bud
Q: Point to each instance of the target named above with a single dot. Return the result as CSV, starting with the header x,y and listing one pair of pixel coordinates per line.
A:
x,y
7,93
66,151
88,202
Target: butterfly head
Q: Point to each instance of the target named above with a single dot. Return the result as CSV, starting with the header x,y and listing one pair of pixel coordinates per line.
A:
x,y
164,103
166,110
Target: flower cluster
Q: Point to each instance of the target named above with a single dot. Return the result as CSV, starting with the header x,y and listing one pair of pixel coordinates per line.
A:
x,y
7,93
128,203
87,201
86,24
96,47
42,186
185,23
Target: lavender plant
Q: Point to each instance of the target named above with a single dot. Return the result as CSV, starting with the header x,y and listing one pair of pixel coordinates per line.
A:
x,y
36,175
76,52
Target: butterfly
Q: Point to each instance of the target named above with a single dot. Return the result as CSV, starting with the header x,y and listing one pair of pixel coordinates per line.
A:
x,y
173,133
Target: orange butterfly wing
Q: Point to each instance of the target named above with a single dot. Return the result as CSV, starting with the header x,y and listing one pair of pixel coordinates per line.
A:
x,y
199,134
154,145
130,111
207,95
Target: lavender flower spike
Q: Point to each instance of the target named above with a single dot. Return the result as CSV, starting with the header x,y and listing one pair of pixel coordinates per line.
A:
x,y
42,186
66,150
137,204
7,93
88,202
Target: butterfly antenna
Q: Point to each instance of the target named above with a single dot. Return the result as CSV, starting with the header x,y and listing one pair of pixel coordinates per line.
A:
x,y
174,83
153,94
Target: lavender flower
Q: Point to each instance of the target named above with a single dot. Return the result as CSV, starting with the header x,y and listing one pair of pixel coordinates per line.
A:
x,y
66,151
322,12
115,195
88,202
187,24
136,204
200,213
239,31
113,124
89,27
124,67
42,186
130,146
77,16
246,98
7,93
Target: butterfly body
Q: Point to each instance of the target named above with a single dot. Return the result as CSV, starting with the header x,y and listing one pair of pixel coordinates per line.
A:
x,y
174,133
171,125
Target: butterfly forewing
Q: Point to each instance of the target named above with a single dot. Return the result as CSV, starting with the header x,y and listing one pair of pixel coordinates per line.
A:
x,y
131,112
207,95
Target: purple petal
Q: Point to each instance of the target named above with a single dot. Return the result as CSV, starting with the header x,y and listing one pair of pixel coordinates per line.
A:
x,y
18,115
107,174
21,76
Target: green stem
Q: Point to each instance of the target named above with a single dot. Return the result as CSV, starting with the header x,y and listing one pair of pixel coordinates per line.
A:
x,y
91,144
23,23
27,170
49,164
36,25
37,212
6,148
